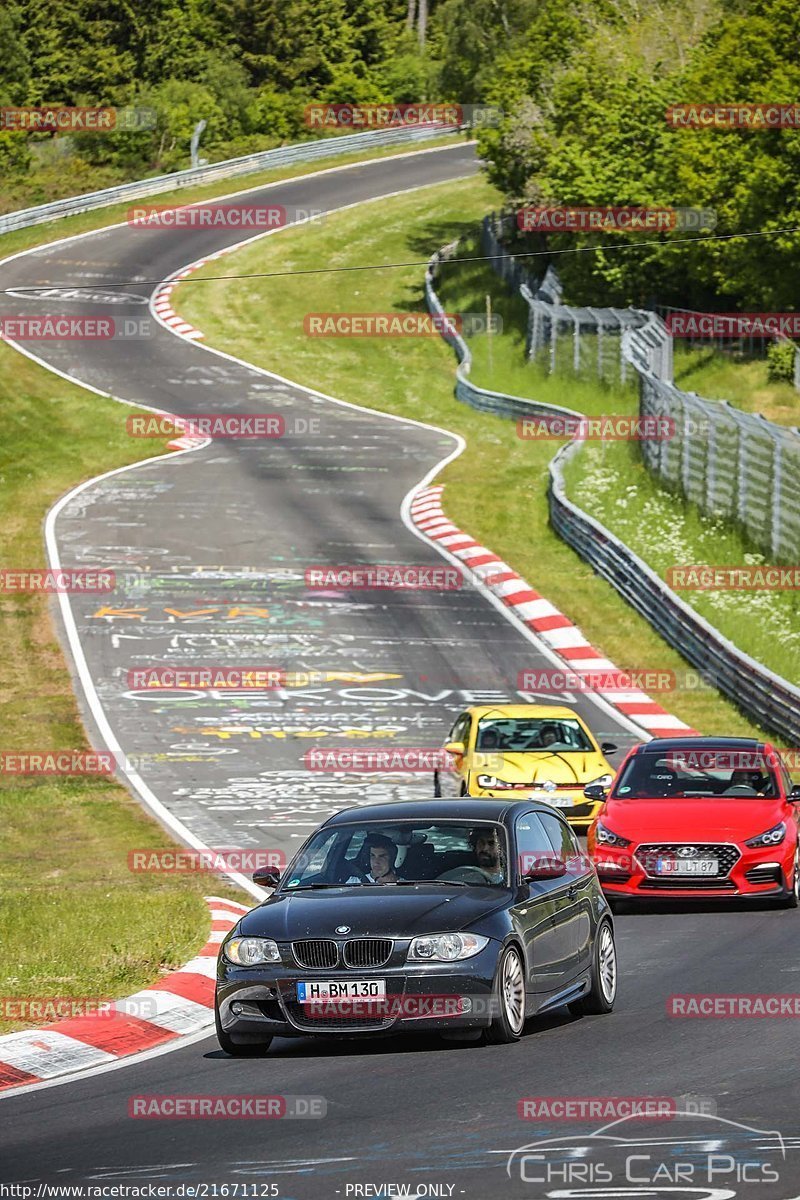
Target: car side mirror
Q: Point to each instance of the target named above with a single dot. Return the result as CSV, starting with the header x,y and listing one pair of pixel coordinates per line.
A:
x,y
609,747
267,877
454,747
545,868
595,791
794,794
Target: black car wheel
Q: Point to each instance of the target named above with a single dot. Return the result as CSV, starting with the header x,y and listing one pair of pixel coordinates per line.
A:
x,y
603,990
252,1049
792,897
509,998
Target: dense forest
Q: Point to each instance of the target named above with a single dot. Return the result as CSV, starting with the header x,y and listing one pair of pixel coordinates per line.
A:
x,y
583,87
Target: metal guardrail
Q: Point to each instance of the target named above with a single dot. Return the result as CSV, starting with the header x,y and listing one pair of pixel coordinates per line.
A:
x,y
771,701
280,156
768,699
499,403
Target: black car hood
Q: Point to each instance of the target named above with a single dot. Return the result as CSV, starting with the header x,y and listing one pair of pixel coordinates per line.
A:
x,y
372,911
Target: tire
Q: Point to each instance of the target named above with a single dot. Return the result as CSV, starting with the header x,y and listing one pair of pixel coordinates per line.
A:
x,y
509,995
603,991
792,897
252,1049
437,786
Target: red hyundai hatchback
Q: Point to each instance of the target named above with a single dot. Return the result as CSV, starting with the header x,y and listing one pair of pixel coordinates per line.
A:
x,y
699,817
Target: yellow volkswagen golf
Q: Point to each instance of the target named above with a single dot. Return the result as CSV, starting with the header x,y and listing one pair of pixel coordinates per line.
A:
x,y
542,751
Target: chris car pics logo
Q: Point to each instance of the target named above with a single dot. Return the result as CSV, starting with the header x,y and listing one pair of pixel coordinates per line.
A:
x,y
632,1155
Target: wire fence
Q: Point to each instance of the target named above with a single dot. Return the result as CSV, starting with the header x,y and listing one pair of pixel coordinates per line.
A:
x,y
734,465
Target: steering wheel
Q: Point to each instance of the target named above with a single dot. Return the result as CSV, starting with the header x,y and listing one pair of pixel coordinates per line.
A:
x,y
740,789
466,874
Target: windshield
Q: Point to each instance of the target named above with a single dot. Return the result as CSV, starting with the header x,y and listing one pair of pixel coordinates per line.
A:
x,y
401,852
707,773
559,735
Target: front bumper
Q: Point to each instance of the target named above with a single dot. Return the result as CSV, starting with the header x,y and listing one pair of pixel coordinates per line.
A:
x,y
763,872
262,1001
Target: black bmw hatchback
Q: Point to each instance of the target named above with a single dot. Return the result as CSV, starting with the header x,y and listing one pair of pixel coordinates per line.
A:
x,y
459,916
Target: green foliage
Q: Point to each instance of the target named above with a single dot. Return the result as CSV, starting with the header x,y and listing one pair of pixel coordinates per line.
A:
x,y
586,124
780,361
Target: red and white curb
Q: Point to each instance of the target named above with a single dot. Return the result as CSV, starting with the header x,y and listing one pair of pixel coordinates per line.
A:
x,y
166,313
559,634
162,306
178,1005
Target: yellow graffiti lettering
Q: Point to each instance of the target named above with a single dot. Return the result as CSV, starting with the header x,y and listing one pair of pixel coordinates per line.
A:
x,y
248,611
134,614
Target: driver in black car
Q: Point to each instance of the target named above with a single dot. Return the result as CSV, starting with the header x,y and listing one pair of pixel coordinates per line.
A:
x,y
488,852
382,859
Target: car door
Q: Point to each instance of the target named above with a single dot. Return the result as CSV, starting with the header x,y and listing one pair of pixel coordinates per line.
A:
x,y
451,775
580,885
544,914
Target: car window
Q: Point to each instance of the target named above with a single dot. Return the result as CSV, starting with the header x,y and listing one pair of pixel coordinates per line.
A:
x,y
532,841
708,772
460,731
563,840
457,851
541,735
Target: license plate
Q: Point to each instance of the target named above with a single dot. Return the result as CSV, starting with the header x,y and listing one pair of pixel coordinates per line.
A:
x,y
553,801
687,866
340,989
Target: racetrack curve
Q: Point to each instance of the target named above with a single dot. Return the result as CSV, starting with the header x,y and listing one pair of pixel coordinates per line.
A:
x,y
211,547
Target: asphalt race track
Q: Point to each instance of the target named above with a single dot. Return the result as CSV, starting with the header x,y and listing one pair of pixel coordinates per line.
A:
x,y
210,549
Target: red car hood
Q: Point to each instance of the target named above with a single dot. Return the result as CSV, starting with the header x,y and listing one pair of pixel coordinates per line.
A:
x,y
728,819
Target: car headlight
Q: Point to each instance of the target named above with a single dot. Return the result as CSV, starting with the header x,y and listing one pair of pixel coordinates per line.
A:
x,y
607,837
446,947
491,781
770,838
250,951
605,780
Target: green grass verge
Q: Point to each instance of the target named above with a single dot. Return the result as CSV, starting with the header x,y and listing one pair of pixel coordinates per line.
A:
x,y
744,381
39,235
496,488
76,922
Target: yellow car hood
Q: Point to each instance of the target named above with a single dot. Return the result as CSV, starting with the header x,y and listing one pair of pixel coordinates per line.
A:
x,y
536,767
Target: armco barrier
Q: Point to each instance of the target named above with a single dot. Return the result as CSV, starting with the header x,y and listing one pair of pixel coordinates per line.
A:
x,y
481,398
769,700
280,156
